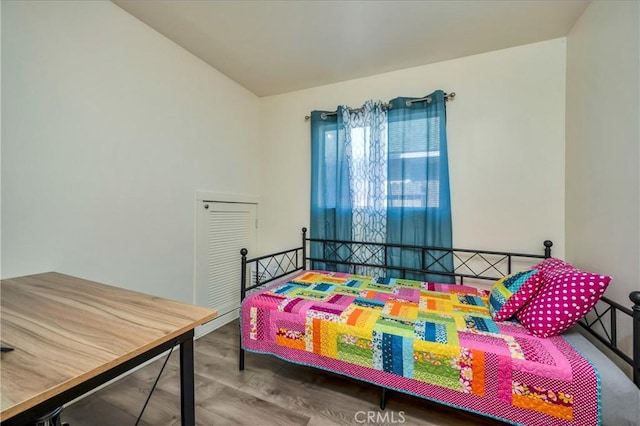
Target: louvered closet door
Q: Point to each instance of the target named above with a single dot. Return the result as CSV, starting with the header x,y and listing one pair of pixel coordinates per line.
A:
x,y
223,229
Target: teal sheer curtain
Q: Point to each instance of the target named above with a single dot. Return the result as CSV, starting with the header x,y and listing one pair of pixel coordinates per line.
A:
x,y
380,174
331,210
419,210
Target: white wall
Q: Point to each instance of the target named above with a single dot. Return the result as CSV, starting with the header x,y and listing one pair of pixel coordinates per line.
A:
x,y
603,144
0,140
108,130
506,146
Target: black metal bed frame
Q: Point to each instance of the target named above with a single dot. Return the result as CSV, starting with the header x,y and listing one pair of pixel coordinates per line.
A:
x,y
601,322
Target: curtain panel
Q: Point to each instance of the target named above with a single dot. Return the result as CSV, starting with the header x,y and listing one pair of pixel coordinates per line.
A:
x,y
380,174
331,212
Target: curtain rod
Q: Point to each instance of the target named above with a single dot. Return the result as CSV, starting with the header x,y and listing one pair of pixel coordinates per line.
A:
x,y
447,96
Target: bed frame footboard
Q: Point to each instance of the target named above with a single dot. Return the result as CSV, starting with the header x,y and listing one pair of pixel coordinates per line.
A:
x,y
265,269
635,298
602,323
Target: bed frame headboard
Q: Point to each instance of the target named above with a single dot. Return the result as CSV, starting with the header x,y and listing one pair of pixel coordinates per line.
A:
x,y
490,265
467,263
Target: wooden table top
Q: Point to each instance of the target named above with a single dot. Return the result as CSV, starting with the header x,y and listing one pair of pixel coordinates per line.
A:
x,y
66,330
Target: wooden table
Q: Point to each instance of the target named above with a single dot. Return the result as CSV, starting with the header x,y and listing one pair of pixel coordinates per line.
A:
x,y
71,335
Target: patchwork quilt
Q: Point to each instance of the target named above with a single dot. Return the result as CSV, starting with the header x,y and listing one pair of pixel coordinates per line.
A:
x,y
436,341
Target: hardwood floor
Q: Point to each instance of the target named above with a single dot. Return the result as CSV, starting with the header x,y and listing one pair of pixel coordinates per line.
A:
x,y
269,392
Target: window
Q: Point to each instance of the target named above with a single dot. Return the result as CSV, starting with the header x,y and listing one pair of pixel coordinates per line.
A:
x,y
405,182
380,174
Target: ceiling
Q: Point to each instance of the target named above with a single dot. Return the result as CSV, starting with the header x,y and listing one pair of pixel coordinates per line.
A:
x,y
272,47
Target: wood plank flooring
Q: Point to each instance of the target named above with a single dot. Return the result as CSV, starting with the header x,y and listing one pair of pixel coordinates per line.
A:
x,y
269,392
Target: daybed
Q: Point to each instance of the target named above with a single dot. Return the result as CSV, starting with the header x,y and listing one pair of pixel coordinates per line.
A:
x,y
455,344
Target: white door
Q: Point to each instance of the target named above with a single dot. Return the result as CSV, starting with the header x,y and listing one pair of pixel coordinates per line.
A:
x,y
223,228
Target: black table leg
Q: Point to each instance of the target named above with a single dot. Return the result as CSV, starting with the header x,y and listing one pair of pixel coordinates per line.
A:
x,y
187,389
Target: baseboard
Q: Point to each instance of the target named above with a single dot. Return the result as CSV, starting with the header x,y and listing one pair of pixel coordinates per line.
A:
x,y
216,323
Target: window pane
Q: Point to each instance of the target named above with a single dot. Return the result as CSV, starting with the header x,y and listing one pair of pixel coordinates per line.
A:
x,y
414,163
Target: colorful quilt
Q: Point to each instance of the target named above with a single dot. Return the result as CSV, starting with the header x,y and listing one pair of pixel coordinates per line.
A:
x,y
436,341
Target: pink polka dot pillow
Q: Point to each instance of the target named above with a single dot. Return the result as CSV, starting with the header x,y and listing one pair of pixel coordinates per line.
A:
x,y
567,295
550,263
